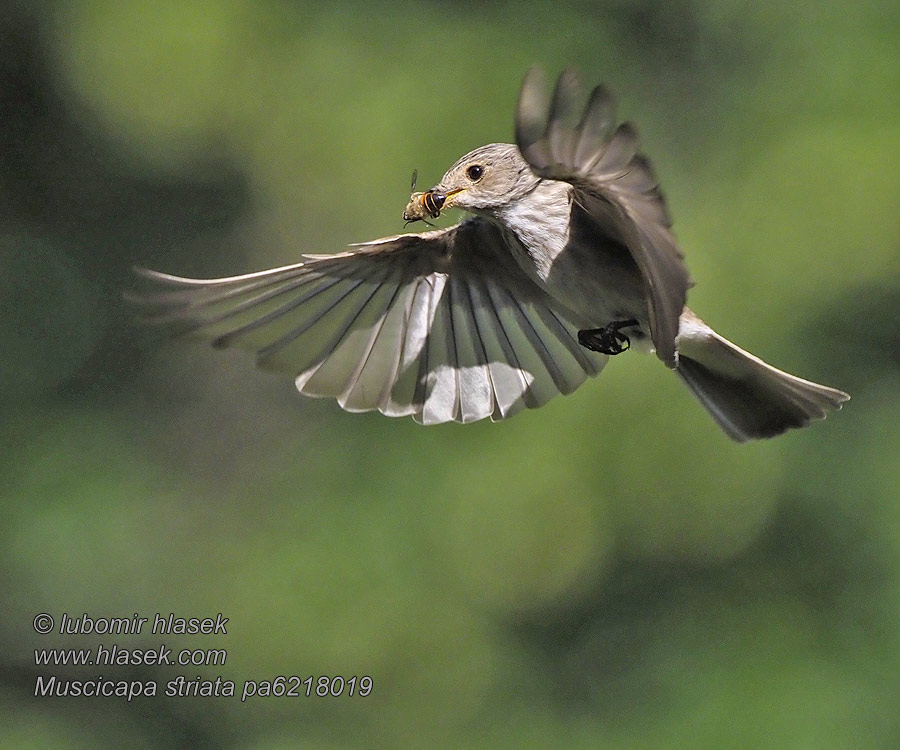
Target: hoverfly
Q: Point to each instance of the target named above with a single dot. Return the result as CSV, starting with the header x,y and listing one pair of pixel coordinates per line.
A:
x,y
424,204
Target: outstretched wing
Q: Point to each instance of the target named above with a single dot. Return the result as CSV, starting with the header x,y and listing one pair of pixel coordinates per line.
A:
x,y
442,326
614,186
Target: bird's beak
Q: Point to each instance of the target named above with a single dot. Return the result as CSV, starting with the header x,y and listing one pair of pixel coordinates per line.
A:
x,y
449,196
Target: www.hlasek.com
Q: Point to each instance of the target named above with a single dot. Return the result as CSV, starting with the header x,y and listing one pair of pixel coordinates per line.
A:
x,y
116,655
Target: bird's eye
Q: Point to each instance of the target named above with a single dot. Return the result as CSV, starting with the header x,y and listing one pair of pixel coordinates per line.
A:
x,y
475,172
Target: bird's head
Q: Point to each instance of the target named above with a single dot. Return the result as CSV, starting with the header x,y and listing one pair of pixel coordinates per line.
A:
x,y
486,179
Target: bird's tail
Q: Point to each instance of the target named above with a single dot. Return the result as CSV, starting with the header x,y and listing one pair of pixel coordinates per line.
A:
x,y
747,397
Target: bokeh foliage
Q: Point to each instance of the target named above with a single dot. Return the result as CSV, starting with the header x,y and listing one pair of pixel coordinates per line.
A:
x,y
606,572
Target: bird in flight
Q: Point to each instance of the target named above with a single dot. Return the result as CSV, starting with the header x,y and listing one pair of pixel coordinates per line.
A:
x,y
568,259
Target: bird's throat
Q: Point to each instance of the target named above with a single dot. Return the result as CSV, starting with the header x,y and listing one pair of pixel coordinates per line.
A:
x,y
538,223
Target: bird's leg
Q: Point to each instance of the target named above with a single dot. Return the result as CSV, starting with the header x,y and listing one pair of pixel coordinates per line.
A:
x,y
607,340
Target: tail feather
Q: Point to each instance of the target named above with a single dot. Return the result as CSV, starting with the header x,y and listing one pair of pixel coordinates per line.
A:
x,y
749,398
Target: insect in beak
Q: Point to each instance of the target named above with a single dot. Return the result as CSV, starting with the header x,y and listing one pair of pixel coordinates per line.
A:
x,y
424,204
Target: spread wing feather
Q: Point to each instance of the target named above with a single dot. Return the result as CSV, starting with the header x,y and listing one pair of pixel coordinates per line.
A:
x,y
409,325
614,185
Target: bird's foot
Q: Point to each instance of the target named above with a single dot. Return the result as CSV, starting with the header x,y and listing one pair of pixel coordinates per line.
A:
x,y
607,340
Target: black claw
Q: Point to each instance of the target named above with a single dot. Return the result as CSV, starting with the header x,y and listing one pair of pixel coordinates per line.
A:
x,y
608,340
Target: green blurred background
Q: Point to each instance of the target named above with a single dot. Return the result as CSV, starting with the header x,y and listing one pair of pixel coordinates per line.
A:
x,y
607,572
